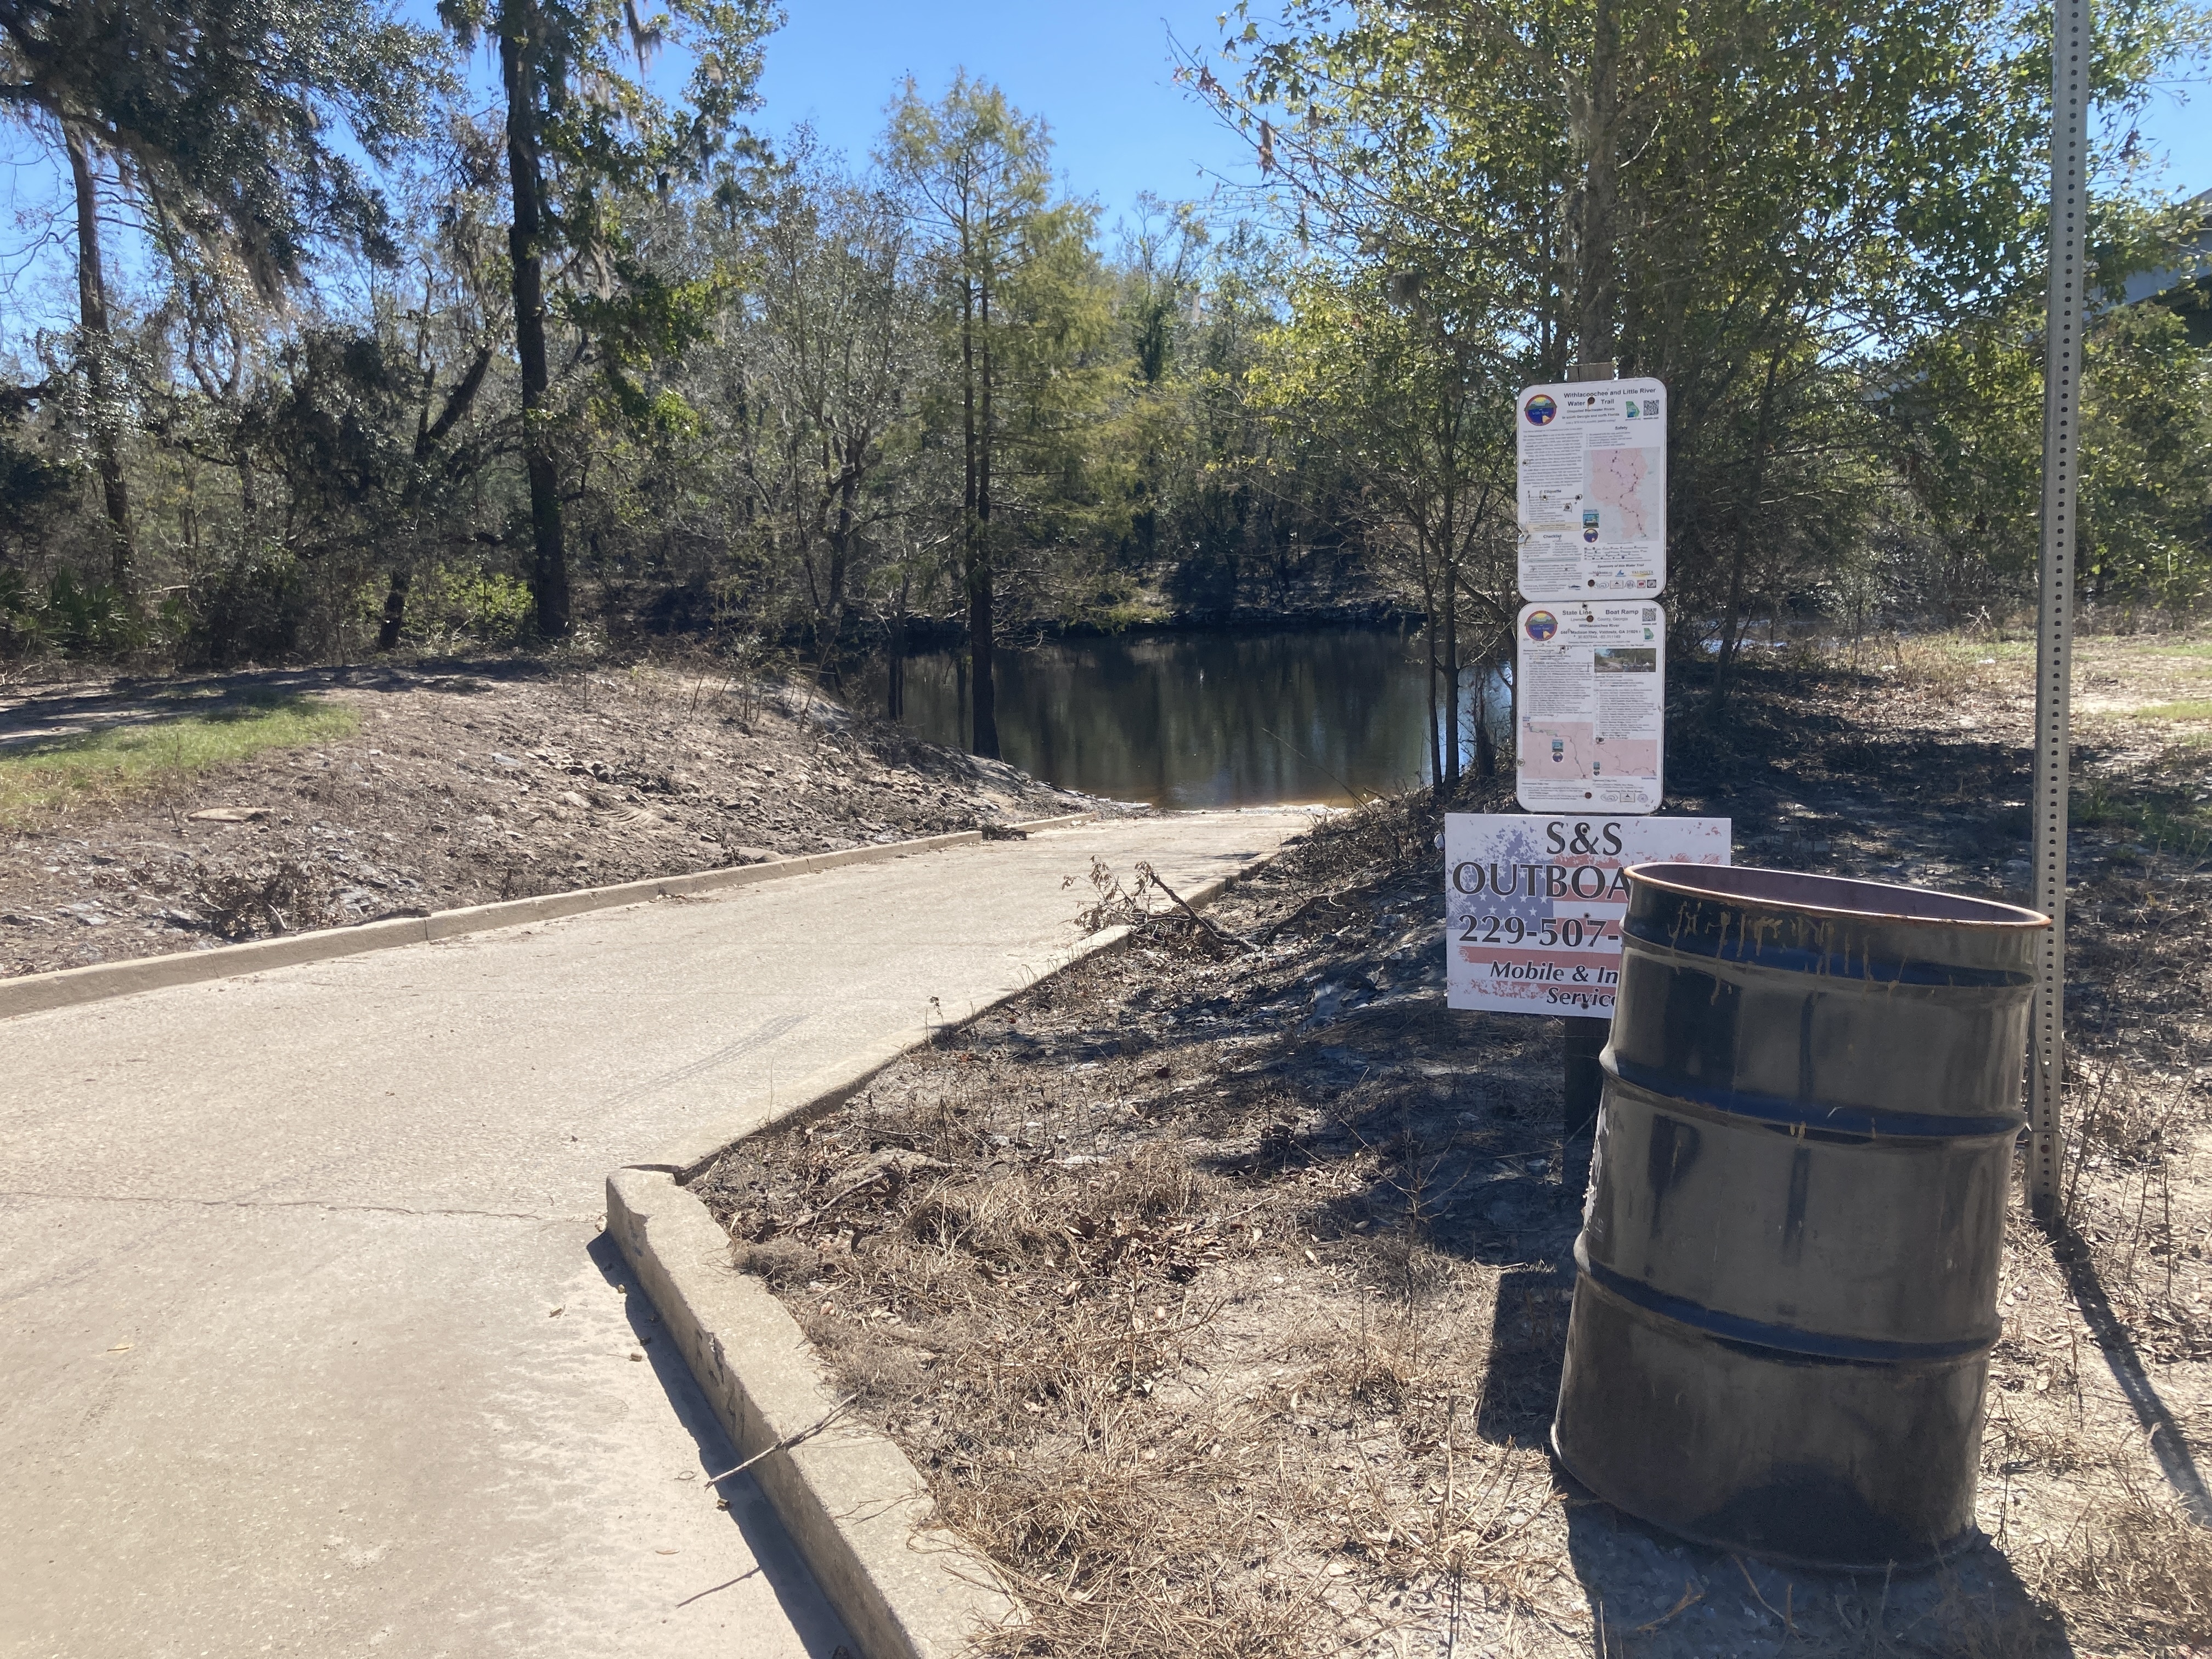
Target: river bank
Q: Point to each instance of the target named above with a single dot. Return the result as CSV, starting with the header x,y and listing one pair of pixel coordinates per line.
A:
x,y
141,819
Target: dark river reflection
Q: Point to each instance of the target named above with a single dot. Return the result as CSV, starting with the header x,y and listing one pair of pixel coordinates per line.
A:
x,y
1218,719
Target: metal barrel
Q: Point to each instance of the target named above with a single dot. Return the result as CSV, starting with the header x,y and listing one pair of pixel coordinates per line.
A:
x,y
1787,1281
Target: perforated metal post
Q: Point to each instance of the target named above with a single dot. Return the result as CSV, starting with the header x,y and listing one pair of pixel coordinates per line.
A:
x,y
1581,1079
2054,646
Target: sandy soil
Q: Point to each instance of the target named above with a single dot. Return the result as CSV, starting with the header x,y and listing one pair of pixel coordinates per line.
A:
x,y
493,781
1218,1286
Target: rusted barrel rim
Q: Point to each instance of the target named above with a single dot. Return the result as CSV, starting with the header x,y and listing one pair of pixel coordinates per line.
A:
x,y
1815,896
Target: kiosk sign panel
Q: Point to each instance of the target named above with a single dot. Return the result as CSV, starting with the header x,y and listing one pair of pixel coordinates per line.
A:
x,y
1591,705
1592,463
1533,905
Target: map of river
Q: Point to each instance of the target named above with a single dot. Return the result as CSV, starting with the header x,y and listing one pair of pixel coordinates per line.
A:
x,y
1591,465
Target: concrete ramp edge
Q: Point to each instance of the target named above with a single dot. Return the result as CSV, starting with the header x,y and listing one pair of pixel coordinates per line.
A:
x,y
64,988
852,1501
854,1504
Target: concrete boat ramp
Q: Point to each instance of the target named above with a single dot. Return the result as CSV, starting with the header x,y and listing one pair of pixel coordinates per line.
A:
x,y
310,1341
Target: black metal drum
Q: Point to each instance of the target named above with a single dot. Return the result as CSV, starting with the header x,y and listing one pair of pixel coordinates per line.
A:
x,y
1788,1266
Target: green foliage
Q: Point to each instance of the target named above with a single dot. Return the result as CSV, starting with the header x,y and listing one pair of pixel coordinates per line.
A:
x,y
88,619
69,616
1966,425
218,113
175,741
30,487
482,606
1790,213
2167,818
600,124
803,406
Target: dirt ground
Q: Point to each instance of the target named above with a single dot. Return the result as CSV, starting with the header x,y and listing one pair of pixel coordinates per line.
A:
x,y
1218,1285
463,784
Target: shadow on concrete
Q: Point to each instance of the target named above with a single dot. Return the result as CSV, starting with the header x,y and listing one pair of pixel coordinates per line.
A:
x,y
778,1560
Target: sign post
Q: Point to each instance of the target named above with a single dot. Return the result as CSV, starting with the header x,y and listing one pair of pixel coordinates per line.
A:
x,y
2054,644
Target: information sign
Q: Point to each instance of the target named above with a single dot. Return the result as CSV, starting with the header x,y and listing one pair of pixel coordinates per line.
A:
x,y
1592,462
1533,905
1590,695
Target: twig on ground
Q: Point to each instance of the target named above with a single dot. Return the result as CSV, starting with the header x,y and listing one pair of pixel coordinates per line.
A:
x,y
788,1441
1691,1595
1763,1601
1146,872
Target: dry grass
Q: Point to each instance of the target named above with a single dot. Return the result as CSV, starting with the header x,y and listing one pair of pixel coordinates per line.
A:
x,y
1219,1293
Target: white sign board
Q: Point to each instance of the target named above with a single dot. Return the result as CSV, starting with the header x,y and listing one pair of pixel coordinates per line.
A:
x,y
1533,905
1590,707
1593,470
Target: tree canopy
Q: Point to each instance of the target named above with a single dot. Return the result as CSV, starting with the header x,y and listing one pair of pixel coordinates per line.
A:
x,y
391,364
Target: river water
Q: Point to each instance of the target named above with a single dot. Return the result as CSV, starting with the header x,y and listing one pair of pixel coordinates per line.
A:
x,y
1228,718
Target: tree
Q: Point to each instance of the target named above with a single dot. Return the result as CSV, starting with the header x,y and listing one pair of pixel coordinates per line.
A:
x,y
1162,256
213,121
1400,377
975,176
841,325
1024,312
577,129
1962,419
974,170
1750,200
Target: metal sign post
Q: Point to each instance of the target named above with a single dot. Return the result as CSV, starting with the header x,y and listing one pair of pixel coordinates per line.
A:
x,y
1591,488
2054,647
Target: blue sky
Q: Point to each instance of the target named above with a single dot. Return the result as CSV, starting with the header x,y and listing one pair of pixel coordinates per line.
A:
x,y
2184,132
1099,73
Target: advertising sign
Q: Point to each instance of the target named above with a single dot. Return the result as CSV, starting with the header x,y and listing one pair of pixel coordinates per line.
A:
x,y
1591,690
1593,500
1533,905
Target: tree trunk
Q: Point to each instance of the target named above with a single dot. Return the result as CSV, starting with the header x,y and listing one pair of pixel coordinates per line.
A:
x,y
1486,746
395,609
894,674
1731,630
100,346
1732,619
525,239
1447,560
1594,295
850,458
1429,644
982,599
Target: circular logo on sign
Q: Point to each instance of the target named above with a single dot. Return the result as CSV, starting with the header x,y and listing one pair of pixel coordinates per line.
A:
x,y
1541,409
1542,624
